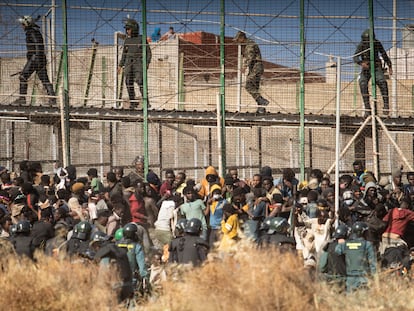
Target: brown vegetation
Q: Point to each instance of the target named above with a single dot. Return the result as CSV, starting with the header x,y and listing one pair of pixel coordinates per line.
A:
x,y
246,280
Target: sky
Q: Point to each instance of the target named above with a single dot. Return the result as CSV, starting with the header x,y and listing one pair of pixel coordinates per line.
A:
x,y
331,27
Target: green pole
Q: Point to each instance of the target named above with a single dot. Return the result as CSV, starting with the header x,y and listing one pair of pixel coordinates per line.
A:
x,y
375,144
145,84
302,92
372,53
222,89
66,85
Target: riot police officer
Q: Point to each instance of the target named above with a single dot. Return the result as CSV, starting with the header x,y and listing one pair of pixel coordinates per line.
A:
x,y
360,257
274,232
189,248
131,60
331,265
36,60
79,242
105,251
22,241
136,256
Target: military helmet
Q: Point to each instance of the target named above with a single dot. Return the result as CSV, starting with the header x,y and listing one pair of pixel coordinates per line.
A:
x,y
130,231
119,234
341,232
265,225
365,35
278,224
193,226
132,24
99,236
359,228
23,226
27,21
180,225
83,230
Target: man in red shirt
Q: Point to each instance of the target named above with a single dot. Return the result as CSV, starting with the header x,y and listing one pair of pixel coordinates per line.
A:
x,y
398,220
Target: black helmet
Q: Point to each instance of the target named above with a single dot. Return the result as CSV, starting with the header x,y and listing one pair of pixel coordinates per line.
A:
x,y
365,35
265,225
27,21
83,230
132,24
130,231
193,226
359,228
99,236
278,224
180,225
23,226
341,232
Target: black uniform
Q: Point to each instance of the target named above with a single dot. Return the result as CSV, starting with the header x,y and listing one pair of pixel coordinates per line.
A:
x,y
362,54
76,246
36,62
332,265
282,241
188,249
23,245
131,60
110,250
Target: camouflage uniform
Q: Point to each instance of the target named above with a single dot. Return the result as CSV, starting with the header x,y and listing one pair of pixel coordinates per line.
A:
x,y
131,60
253,62
362,54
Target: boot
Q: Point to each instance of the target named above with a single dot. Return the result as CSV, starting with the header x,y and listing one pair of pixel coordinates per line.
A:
x,y
261,110
262,101
19,102
386,109
50,92
52,101
133,104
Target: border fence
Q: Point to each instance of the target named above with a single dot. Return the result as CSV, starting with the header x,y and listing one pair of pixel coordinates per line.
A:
x,y
200,113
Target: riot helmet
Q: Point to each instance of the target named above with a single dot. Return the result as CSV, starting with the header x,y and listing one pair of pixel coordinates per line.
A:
x,y
193,226
359,228
27,21
365,35
132,24
119,234
180,225
23,226
99,236
130,231
83,230
265,225
279,225
341,232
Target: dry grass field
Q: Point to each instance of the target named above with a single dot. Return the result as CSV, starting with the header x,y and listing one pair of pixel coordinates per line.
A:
x,y
242,281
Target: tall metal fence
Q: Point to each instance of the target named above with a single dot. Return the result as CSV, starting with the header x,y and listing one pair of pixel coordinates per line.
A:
x,y
200,72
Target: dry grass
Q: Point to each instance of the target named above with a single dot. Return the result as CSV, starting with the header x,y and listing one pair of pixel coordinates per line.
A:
x,y
54,285
247,280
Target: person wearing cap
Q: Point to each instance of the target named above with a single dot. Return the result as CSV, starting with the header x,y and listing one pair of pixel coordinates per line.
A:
x,y
36,61
253,62
131,60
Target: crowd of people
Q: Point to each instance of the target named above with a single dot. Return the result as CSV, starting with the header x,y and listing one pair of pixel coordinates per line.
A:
x,y
141,223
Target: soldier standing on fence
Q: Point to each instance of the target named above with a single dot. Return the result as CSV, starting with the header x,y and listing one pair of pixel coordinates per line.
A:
x,y
253,62
131,60
362,58
36,61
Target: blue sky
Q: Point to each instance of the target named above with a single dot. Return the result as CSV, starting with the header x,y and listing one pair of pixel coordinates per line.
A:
x,y
331,27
